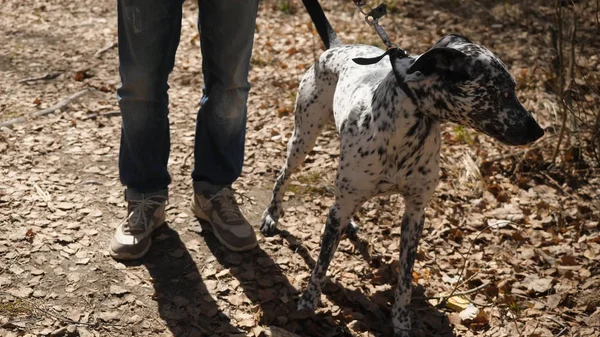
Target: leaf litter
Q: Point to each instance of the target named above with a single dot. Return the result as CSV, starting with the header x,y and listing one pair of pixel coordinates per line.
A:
x,y
528,245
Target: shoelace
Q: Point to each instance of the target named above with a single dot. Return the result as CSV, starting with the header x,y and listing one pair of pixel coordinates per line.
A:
x,y
137,219
228,204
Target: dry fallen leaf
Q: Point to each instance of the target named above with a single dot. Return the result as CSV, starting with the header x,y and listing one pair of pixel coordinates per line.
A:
x,y
458,303
469,313
538,285
30,235
59,178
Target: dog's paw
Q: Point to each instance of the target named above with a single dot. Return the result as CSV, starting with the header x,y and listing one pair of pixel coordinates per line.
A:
x,y
268,225
351,231
404,333
308,302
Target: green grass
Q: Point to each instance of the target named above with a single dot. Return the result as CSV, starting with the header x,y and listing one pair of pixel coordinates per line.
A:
x,y
287,7
15,308
309,183
461,134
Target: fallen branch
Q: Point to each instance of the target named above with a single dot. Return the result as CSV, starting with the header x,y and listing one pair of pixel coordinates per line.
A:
x,y
107,114
48,76
105,49
46,111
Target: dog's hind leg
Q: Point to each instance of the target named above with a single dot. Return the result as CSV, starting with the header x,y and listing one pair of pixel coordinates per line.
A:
x,y
313,110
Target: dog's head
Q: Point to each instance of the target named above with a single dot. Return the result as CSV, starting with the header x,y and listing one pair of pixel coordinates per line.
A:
x,y
465,83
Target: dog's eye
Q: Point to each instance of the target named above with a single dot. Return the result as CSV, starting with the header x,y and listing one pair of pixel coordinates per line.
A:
x,y
506,94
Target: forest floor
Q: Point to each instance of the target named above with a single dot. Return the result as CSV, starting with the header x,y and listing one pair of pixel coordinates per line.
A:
x,y
520,234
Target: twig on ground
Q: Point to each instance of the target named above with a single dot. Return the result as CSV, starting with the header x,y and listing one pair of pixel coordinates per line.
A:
x,y
561,332
107,114
554,182
443,298
45,196
201,328
464,267
187,156
105,49
66,320
111,113
481,268
562,325
48,76
46,111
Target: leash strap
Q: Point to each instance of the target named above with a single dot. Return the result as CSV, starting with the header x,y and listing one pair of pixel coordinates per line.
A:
x,y
315,11
394,54
372,16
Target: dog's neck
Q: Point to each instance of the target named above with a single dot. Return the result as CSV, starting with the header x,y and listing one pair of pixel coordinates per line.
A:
x,y
399,114
394,100
405,102
428,96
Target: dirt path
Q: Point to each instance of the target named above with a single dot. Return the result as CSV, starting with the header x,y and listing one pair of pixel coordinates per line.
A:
x,y
533,239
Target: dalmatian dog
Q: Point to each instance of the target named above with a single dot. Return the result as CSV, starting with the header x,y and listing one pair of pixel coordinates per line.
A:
x,y
388,108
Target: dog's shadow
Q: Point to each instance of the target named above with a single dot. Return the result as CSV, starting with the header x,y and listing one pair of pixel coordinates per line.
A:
x,y
266,285
429,321
184,301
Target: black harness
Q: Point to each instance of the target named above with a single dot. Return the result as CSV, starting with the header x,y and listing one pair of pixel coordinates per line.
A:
x,y
394,54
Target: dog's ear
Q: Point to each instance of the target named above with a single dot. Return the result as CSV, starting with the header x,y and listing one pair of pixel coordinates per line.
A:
x,y
448,63
450,39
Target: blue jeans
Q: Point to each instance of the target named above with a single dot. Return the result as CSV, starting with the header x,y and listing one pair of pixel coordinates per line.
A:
x,y
149,32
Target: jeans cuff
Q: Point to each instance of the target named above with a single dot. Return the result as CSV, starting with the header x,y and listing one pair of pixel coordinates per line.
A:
x,y
207,189
131,194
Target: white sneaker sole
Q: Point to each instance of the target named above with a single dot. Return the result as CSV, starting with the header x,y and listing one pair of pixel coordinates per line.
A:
x,y
129,257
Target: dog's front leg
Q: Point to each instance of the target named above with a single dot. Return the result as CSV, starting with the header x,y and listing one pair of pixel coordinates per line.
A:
x,y
337,220
412,228
329,242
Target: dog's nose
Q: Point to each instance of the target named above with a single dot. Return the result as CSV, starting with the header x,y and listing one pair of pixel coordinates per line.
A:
x,y
528,132
534,129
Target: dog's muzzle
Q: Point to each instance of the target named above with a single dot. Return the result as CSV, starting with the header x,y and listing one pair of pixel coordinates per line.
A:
x,y
529,132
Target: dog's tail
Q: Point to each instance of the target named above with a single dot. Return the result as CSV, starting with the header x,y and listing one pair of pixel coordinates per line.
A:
x,y
328,36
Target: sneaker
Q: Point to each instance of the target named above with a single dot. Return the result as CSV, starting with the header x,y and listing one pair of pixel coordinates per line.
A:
x,y
146,212
224,215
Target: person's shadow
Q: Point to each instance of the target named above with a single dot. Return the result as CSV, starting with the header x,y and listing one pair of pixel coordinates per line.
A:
x,y
184,302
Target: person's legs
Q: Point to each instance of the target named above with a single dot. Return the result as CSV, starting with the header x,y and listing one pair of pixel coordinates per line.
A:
x,y
149,33
148,37
226,37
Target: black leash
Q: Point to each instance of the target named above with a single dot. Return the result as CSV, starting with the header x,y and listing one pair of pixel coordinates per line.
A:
x,y
320,21
372,16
